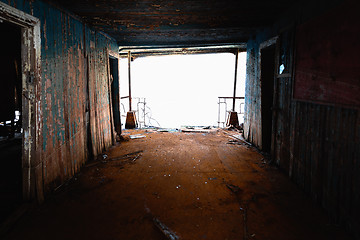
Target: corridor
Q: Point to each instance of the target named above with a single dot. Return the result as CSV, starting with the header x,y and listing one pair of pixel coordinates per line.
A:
x,y
177,185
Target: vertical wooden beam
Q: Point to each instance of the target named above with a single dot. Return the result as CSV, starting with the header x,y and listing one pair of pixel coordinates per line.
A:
x,y
112,125
129,73
235,77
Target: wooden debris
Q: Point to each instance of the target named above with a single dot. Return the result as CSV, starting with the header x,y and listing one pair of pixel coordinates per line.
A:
x,y
129,156
136,136
165,230
233,188
198,130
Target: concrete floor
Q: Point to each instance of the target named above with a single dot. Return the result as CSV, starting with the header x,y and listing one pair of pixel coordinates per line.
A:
x,y
196,184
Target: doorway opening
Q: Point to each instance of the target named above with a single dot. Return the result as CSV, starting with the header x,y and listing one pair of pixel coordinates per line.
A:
x,y
11,131
115,93
182,90
267,94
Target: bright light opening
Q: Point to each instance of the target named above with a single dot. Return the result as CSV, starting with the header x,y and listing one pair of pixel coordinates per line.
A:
x,y
183,90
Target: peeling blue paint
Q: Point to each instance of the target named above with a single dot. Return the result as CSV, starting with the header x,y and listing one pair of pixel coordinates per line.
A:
x,y
65,49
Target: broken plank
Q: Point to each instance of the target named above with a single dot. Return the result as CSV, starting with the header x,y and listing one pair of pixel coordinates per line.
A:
x,y
165,230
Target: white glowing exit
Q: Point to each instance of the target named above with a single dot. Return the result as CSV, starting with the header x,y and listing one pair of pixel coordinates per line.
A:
x,y
182,90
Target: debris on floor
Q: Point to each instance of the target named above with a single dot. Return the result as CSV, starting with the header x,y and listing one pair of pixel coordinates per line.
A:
x,y
237,142
129,156
241,198
123,138
167,130
191,129
136,136
233,188
165,230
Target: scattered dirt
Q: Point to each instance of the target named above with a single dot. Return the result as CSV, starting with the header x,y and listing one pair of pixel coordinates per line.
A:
x,y
193,185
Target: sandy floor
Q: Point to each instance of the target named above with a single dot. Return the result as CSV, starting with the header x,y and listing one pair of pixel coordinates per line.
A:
x,y
195,184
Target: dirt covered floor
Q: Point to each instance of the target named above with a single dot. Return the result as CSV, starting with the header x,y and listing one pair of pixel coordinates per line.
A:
x,y
176,185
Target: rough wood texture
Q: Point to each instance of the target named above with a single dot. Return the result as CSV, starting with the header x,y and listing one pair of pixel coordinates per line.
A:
x,y
327,58
73,58
316,144
146,22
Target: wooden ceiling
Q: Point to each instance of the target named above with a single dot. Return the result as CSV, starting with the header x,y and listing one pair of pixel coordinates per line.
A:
x,y
177,22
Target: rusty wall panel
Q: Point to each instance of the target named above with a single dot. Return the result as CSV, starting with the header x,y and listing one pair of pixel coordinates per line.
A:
x,y
318,145
64,149
99,92
326,70
252,116
66,47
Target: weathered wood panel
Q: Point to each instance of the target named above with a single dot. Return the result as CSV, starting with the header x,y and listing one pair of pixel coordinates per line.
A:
x,y
67,45
145,23
326,155
328,58
317,144
252,115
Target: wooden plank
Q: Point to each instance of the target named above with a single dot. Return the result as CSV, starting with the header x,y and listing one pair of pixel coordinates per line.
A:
x,y
329,73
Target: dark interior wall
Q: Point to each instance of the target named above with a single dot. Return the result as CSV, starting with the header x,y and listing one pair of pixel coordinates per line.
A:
x,y
315,142
73,58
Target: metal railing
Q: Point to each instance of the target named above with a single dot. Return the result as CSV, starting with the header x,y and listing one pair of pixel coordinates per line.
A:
x,y
223,109
142,111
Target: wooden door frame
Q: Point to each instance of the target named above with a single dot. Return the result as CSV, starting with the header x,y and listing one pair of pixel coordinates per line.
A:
x,y
271,42
32,167
115,55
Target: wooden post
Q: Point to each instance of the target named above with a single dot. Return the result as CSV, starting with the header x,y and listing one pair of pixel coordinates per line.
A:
x,y
129,73
235,78
233,116
130,116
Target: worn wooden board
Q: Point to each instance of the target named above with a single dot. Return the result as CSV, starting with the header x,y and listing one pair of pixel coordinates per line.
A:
x,y
327,58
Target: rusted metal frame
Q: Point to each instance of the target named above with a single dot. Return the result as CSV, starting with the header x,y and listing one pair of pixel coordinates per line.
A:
x,y
263,45
235,78
32,165
129,74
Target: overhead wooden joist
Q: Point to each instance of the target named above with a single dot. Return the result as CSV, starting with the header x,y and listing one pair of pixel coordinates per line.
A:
x,y
145,51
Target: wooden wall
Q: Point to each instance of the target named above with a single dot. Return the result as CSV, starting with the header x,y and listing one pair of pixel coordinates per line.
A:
x,y
315,142
74,94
